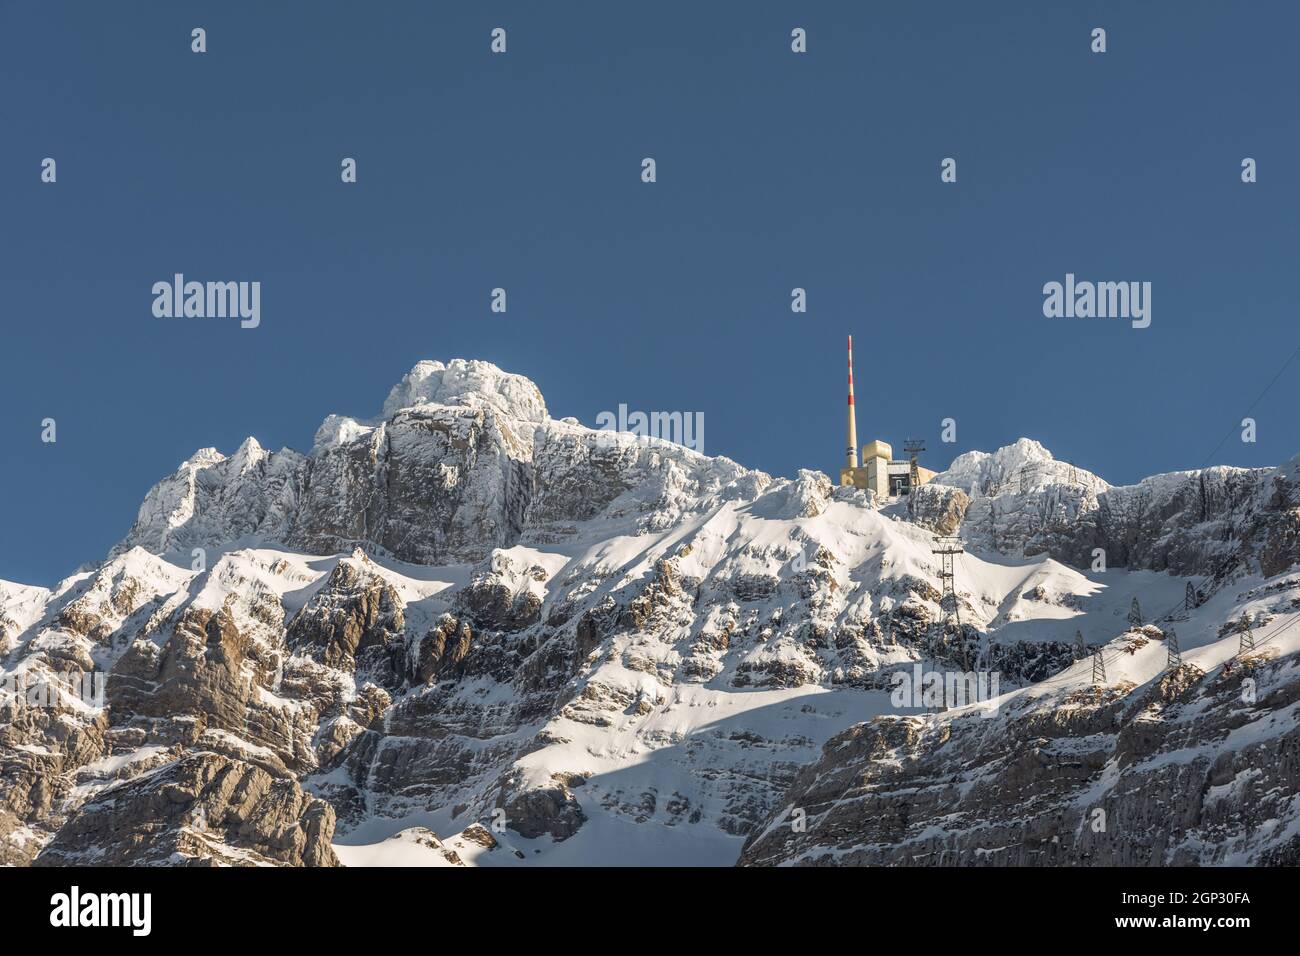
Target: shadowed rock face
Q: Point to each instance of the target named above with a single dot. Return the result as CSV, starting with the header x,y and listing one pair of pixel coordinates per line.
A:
x,y
205,810
504,597
1120,779
542,810
440,652
202,664
354,623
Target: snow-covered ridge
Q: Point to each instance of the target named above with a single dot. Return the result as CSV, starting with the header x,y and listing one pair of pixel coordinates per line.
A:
x,y
464,608
463,458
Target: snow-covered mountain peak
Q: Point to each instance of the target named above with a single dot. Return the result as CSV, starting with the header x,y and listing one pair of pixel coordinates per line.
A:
x,y
203,458
248,455
472,383
1023,465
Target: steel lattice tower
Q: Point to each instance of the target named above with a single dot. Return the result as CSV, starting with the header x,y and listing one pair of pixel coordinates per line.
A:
x,y
947,548
1098,668
1247,635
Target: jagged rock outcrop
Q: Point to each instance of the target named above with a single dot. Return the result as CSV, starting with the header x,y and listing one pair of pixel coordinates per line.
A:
x,y
505,595
204,809
537,811
440,651
938,508
354,624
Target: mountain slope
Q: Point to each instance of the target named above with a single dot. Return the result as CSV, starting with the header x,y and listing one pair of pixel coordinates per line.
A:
x,y
543,642
1157,766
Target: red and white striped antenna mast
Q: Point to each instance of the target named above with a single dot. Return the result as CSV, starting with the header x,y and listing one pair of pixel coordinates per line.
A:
x,y
852,454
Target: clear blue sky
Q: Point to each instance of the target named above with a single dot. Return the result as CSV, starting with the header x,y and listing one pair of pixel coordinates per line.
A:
x,y
523,171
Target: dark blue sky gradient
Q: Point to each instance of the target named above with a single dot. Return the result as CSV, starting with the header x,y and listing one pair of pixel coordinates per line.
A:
x,y
523,171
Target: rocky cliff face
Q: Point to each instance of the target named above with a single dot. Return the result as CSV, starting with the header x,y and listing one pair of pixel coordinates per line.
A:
x,y
1025,503
203,809
464,617
1187,767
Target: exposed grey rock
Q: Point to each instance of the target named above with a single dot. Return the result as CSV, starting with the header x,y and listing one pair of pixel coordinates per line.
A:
x,y
938,508
542,810
202,810
1177,774
354,623
504,595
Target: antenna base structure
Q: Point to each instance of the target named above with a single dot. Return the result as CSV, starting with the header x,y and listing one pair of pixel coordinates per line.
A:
x,y
913,447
